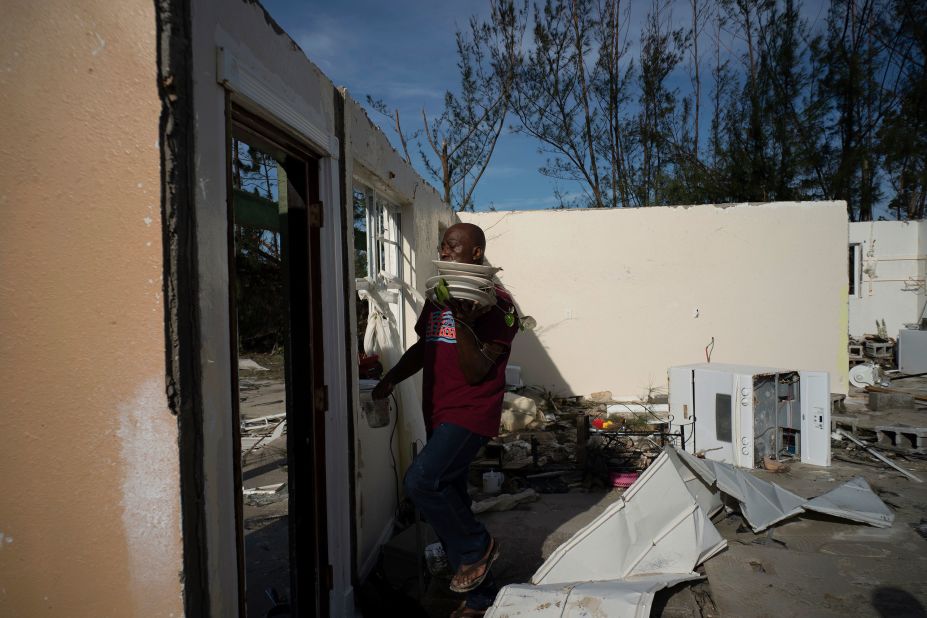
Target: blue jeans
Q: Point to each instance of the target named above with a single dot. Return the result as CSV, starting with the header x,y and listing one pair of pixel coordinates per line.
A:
x,y
436,482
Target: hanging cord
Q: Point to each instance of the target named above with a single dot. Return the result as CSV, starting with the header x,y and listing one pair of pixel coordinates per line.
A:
x,y
391,456
709,349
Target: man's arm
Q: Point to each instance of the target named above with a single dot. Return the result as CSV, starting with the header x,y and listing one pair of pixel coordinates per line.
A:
x,y
474,357
410,363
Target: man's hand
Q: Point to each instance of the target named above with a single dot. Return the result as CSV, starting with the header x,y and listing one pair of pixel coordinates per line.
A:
x,y
466,311
383,389
411,362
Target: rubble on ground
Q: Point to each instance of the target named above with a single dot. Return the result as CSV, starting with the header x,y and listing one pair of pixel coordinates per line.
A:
x,y
586,444
661,530
558,444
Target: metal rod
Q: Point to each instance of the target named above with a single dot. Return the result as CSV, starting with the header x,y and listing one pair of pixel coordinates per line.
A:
x,y
776,419
912,375
880,456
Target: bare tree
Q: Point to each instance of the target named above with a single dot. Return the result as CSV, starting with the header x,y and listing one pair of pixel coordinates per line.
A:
x,y
379,106
612,88
463,137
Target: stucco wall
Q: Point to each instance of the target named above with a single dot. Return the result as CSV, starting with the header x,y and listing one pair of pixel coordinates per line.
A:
x,y
90,522
621,295
893,256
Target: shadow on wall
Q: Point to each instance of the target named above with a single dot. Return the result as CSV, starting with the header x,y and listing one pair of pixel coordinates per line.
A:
x,y
537,367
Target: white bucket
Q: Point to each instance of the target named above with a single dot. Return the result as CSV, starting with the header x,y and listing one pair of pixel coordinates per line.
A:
x,y
376,411
492,482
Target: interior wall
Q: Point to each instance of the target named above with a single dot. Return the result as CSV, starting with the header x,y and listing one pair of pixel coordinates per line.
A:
x,y
90,522
893,256
370,158
622,295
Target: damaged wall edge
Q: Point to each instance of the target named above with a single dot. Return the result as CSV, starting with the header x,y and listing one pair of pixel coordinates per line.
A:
x,y
175,134
349,339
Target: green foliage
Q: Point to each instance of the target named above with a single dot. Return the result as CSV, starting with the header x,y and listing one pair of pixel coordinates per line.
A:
x,y
793,111
259,286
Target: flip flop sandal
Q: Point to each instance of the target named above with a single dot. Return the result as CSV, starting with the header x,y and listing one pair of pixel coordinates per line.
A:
x,y
486,561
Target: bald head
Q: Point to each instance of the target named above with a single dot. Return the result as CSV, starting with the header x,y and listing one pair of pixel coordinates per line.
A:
x,y
463,242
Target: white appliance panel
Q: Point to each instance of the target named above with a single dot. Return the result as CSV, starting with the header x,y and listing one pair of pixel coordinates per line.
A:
x,y
815,417
715,431
743,420
681,404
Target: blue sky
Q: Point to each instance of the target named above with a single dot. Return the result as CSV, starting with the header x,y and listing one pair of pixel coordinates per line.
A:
x,y
404,53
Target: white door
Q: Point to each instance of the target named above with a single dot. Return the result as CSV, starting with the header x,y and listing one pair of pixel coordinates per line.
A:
x,y
815,417
715,428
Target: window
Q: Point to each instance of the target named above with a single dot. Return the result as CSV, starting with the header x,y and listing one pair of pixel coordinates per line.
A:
x,y
377,250
381,251
723,412
855,268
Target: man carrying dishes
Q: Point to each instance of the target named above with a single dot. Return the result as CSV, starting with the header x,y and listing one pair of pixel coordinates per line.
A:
x,y
463,348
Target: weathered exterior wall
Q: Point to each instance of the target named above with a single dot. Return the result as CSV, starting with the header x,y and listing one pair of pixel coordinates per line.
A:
x,y
243,29
371,159
615,292
90,522
893,256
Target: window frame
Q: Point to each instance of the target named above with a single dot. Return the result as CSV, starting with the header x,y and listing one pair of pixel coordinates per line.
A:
x,y
384,230
855,259
384,249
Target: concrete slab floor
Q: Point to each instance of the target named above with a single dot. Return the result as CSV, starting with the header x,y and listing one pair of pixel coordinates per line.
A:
x,y
811,565
266,534
529,533
814,565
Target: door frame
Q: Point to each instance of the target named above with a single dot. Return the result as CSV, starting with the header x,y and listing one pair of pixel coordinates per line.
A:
x,y
305,361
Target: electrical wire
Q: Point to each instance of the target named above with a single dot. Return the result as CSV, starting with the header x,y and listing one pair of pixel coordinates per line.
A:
x,y
709,349
391,456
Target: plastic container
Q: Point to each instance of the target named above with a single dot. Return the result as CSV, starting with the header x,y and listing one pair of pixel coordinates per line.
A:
x,y
623,479
376,412
492,482
436,560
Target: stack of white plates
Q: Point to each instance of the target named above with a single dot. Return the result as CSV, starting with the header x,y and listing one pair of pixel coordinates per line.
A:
x,y
465,282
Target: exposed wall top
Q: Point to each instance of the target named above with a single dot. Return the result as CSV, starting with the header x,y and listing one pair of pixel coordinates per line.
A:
x,y
378,161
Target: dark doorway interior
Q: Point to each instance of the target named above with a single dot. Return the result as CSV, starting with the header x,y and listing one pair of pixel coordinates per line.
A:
x,y
274,282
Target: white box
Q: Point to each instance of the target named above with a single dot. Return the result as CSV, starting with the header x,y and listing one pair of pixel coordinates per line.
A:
x,y
912,351
739,414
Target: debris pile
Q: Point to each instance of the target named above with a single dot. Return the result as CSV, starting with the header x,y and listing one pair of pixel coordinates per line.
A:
x,y
258,433
556,444
660,531
878,349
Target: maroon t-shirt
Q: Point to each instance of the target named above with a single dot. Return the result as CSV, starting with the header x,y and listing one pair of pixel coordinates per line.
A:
x,y
446,396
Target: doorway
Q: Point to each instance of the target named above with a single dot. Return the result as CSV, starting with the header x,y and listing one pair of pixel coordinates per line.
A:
x,y
279,397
